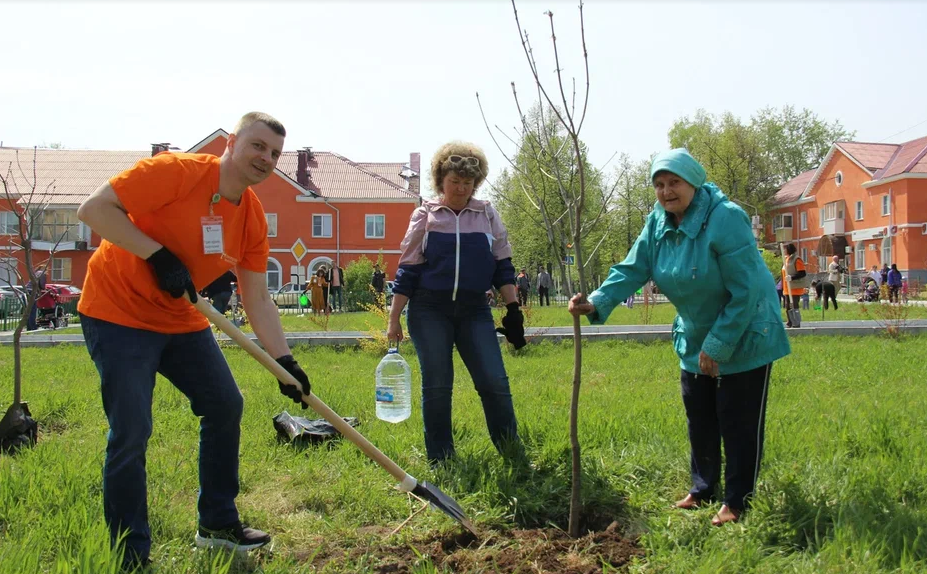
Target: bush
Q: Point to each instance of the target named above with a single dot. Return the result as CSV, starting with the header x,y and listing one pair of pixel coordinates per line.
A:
x,y
773,262
358,292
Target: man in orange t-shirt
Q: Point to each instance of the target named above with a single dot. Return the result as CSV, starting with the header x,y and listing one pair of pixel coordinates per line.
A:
x,y
171,225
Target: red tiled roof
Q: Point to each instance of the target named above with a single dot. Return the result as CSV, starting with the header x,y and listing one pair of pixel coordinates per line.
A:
x,y
64,176
390,171
909,158
883,159
873,156
794,187
336,177
75,174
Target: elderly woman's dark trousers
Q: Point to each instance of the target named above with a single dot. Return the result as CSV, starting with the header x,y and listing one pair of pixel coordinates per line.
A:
x,y
730,409
436,326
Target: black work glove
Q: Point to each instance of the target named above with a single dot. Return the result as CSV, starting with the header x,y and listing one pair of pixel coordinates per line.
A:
x,y
172,274
513,326
292,367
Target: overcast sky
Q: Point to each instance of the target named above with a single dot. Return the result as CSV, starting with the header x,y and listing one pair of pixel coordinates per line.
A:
x,y
376,80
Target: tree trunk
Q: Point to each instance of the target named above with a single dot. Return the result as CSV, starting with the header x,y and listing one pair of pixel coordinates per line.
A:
x,y
17,367
576,502
576,496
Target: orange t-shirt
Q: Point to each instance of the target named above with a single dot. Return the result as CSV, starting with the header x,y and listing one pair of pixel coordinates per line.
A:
x,y
166,196
799,266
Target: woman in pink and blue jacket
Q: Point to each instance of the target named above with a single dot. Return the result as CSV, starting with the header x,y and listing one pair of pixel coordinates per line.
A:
x,y
455,249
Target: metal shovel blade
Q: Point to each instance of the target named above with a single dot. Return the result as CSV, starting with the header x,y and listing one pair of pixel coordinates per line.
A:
x,y
444,503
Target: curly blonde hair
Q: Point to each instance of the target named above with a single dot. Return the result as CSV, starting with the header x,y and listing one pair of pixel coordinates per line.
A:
x,y
440,165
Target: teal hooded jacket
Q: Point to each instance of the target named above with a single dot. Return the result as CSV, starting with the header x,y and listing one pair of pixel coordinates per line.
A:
x,y
709,267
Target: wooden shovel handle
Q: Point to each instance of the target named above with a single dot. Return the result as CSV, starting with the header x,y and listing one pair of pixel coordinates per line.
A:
x,y
226,326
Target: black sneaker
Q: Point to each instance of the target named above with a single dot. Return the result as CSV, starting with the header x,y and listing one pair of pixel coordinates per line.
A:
x,y
237,537
136,565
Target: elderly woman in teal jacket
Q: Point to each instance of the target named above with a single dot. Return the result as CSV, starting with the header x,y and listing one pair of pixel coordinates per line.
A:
x,y
699,249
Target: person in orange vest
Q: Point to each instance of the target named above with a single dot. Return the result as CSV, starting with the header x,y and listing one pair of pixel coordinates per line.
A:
x,y
795,285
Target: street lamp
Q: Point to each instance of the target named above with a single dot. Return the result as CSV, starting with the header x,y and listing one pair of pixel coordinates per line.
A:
x,y
755,220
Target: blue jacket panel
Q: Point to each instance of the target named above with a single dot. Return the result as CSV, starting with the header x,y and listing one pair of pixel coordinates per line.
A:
x,y
446,251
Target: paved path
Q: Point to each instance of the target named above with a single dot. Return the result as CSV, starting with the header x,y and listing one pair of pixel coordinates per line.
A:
x,y
590,333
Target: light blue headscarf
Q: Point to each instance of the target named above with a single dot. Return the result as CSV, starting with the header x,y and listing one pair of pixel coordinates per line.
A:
x,y
680,162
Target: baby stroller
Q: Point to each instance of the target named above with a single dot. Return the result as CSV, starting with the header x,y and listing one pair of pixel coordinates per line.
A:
x,y
50,311
869,294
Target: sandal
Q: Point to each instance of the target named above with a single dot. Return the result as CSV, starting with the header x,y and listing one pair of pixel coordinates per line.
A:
x,y
688,503
725,515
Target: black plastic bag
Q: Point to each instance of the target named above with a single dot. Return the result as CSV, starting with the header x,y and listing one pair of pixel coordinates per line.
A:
x,y
300,430
23,432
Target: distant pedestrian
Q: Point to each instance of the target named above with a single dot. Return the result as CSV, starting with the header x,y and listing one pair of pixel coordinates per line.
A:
x,y
894,283
523,284
378,281
544,283
335,280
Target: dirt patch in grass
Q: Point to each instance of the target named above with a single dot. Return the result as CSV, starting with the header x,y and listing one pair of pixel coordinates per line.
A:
x,y
539,551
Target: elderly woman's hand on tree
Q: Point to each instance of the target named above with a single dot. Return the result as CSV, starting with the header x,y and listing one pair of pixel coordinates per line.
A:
x,y
579,305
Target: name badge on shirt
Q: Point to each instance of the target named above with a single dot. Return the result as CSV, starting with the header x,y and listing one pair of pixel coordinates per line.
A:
x,y
212,234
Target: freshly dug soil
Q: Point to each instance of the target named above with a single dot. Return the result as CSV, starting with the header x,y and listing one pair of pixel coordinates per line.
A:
x,y
535,551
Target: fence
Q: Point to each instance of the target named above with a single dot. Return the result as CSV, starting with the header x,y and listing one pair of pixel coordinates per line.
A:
x,y
11,311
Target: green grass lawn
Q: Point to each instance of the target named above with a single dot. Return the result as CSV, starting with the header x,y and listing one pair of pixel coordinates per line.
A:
x,y
661,314
843,487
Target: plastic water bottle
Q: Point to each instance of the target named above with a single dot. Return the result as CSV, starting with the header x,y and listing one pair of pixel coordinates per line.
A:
x,y
394,388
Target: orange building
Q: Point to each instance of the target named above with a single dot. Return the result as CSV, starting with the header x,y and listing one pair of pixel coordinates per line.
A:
x,y
866,202
321,207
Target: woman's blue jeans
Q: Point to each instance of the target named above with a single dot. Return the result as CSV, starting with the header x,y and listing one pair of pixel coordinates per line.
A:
x,y
436,325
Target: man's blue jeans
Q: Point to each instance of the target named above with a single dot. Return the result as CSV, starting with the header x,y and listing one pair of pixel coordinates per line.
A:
x,y
336,291
436,324
127,360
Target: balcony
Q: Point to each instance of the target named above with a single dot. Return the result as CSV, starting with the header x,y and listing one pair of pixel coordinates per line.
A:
x,y
834,227
783,235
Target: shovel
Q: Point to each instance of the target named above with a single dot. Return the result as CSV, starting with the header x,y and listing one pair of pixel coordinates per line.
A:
x,y
407,483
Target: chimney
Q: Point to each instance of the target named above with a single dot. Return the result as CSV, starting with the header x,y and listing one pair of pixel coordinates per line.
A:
x,y
415,164
157,148
302,167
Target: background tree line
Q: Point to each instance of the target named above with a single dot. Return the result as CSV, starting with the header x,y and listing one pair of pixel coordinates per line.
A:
x,y
749,160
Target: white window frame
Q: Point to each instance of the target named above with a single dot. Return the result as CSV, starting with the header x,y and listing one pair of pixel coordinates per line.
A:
x,y
779,221
55,225
271,262
886,250
6,225
323,218
833,211
804,254
804,220
9,267
61,269
371,218
859,211
886,205
860,250
271,224
838,178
